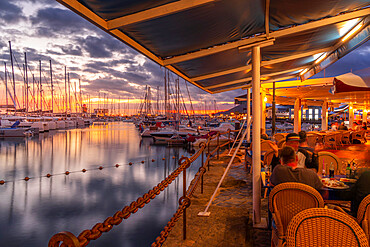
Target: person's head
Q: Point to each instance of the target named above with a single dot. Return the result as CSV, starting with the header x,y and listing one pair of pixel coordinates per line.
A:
x,y
287,155
342,123
302,136
292,140
264,136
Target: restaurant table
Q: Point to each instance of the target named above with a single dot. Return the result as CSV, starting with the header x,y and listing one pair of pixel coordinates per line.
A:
x,y
335,195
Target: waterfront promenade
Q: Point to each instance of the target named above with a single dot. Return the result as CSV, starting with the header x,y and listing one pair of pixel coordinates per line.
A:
x,y
230,221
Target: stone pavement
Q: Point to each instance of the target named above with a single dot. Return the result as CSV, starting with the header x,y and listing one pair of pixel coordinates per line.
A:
x,y
230,222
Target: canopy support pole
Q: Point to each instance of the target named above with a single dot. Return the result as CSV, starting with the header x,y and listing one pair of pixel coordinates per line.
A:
x,y
263,112
297,115
324,116
273,122
351,115
364,115
256,134
249,112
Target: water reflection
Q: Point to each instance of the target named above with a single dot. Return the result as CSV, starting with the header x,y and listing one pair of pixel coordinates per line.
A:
x,y
32,211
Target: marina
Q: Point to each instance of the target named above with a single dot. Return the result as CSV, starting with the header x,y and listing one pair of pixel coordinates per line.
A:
x,y
184,123
80,199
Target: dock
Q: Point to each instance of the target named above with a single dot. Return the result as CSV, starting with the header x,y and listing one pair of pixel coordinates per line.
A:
x,y
230,222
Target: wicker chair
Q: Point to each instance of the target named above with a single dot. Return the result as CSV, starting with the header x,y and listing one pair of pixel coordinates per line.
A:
x,y
281,143
279,136
346,137
265,146
311,140
328,158
285,201
363,216
330,140
324,227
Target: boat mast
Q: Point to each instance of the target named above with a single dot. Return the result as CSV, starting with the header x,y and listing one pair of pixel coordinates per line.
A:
x,y
69,94
11,61
40,89
52,89
65,89
6,89
165,94
26,72
79,86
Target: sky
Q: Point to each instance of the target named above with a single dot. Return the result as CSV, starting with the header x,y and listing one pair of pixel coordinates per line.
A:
x,y
46,30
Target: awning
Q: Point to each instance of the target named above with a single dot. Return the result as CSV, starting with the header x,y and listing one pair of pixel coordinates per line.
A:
x,y
350,82
208,42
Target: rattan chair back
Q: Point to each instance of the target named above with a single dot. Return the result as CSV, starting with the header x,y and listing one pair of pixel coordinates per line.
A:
x,y
265,146
311,140
279,136
288,199
328,158
363,216
281,143
267,158
316,227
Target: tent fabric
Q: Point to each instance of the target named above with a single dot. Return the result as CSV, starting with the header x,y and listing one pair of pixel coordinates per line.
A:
x,y
220,23
356,81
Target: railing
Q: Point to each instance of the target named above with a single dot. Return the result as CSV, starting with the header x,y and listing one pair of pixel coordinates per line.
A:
x,y
67,239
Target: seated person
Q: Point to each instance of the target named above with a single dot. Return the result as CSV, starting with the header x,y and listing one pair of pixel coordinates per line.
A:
x,y
288,171
342,126
360,191
334,126
364,126
306,159
303,141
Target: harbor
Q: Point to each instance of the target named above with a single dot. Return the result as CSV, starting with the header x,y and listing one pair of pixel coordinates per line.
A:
x,y
184,123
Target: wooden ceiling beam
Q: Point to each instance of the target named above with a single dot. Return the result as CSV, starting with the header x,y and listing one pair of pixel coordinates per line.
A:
x,y
156,12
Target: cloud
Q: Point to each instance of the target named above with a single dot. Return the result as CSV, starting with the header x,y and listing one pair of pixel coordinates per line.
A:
x,y
10,13
56,22
355,60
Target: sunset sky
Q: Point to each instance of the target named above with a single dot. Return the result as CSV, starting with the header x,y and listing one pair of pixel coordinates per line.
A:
x,y
46,30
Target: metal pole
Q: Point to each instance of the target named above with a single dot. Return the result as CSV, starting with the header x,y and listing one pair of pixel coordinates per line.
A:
x,y
273,122
248,111
184,212
218,144
201,186
256,134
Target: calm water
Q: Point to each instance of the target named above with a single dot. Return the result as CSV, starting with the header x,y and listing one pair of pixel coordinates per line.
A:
x,y
31,212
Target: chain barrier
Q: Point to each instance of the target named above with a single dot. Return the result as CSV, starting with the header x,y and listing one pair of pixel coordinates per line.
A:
x,y
69,240
182,207
2,182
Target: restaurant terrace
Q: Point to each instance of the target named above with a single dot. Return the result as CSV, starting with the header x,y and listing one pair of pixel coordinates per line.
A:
x,y
223,45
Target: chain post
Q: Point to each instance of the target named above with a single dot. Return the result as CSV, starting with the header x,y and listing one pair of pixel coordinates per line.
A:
x,y
229,138
184,198
184,212
201,184
209,143
218,145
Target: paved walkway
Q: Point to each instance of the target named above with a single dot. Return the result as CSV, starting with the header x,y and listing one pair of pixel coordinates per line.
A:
x,y
230,222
